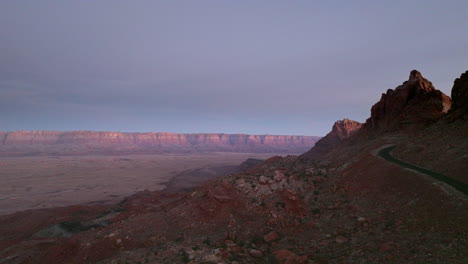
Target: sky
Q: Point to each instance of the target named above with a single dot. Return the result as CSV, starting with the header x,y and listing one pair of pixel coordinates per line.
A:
x,y
254,67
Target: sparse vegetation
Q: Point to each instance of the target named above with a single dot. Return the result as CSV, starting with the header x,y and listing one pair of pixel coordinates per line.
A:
x,y
184,256
280,204
207,241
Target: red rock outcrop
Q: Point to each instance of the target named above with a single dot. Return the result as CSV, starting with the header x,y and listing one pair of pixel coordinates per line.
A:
x,y
78,142
444,145
412,105
342,129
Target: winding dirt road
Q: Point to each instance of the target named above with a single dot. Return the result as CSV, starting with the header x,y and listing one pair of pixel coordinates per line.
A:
x,y
385,154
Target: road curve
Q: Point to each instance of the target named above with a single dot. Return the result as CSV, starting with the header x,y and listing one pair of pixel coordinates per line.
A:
x,y
460,186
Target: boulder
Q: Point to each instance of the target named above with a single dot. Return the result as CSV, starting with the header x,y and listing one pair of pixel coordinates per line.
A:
x,y
272,236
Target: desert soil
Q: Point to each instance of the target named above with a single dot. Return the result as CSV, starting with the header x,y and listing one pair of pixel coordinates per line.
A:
x,y
43,182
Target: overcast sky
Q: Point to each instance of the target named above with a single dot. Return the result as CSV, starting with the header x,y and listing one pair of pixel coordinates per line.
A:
x,y
257,67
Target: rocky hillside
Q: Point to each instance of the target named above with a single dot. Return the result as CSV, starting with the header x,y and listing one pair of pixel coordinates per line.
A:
x,y
89,142
354,208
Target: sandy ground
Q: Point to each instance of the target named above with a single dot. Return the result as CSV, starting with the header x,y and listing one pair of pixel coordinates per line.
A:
x,y
41,182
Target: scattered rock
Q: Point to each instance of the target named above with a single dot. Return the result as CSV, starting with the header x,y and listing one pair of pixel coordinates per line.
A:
x,y
279,176
361,219
285,256
388,246
212,258
263,180
272,236
255,253
341,239
221,198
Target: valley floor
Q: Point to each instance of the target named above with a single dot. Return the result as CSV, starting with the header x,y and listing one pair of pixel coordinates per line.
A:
x,y
51,181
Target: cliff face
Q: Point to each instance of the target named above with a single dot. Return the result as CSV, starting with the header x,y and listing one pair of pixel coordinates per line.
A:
x,y
412,105
341,130
344,128
77,142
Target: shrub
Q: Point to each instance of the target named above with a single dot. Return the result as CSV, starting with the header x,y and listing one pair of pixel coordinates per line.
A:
x,y
184,256
316,211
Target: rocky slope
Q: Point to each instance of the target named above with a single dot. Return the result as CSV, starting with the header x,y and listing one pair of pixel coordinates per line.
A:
x,y
86,142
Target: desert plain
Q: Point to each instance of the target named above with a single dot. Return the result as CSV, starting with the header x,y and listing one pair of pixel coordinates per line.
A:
x,y
54,181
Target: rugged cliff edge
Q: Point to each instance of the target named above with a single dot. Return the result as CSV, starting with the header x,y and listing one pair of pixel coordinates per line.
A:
x,y
409,107
443,146
85,142
341,130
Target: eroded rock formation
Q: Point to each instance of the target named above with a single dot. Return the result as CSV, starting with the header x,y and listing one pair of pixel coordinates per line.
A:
x,y
412,105
342,129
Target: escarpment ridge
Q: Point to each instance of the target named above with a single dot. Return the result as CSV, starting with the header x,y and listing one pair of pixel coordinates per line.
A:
x,y
81,142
